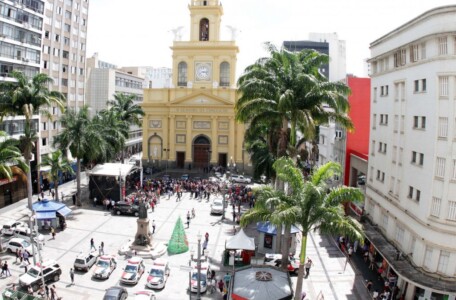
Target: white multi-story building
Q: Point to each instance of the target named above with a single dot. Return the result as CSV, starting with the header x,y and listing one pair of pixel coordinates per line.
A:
x,y
156,78
64,57
104,80
337,54
411,185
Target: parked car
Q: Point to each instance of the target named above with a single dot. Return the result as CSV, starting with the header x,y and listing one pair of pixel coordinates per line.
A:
x,y
16,243
24,233
185,177
50,269
276,260
133,271
217,207
116,293
158,274
104,266
240,179
145,295
9,227
125,208
204,274
84,261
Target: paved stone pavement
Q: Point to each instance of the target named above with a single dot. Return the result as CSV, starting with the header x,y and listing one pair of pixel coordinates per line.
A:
x,y
327,276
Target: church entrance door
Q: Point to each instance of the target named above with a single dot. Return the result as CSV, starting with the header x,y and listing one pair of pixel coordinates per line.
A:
x,y
201,151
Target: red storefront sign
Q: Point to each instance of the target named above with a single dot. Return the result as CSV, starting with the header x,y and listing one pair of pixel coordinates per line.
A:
x,y
356,209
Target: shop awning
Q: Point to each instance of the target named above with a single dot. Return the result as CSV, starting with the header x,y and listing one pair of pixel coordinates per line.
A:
x,y
43,215
111,170
240,241
64,211
269,228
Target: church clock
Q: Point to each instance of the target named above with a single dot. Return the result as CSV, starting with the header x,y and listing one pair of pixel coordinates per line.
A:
x,y
203,71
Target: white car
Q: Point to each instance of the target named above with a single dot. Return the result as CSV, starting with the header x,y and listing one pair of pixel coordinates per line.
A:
x,y
217,207
145,295
104,267
50,270
84,261
276,260
240,179
16,243
133,271
8,228
204,273
158,274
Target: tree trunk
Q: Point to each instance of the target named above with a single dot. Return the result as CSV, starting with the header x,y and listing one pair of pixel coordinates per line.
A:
x,y
78,185
29,182
278,239
285,247
302,261
56,187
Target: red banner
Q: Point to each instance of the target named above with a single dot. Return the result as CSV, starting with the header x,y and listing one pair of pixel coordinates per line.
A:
x,y
6,180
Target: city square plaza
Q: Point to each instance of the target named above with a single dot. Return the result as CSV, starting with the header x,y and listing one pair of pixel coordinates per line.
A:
x,y
329,276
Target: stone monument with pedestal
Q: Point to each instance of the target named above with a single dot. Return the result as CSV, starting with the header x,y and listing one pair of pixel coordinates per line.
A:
x,y
143,245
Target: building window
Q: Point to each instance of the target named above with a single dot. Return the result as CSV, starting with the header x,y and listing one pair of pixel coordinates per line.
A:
x,y
392,181
423,85
204,30
182,74
418,195
375,121
440,167
67,27
416,85
443,127
384,220
64,82
419,122
410,192
398,187
414,53
383,119
401,155
224,74
43,141
399,234
394,154
375,95
451,210
443,261
428,258
443,45
454,170
423,50
373,148
443,86
54,125
435,208
65,54
396,123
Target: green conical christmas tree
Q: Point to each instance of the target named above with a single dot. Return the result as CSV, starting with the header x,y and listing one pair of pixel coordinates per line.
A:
x,y
178,242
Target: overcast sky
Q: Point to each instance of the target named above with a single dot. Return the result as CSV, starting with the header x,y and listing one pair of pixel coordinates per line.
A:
x,y
137,32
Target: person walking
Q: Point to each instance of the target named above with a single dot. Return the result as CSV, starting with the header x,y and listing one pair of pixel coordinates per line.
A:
x,y
5,269
153,226
92,245
206,236
221,285
18,255
72,275
53,292
307,266
53,233
102,248
26,256
193,213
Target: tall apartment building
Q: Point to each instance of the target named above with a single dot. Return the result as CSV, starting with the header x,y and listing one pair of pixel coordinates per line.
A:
x,y
411,186
64,58
21,25
104,80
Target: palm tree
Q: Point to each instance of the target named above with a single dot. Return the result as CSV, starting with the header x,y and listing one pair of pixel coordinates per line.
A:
x,y
312,206
28,97
83,137
58,163
10,156
127,111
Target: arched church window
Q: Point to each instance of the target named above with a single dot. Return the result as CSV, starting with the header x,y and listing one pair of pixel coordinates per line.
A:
x,y
204,30
182,74
224,74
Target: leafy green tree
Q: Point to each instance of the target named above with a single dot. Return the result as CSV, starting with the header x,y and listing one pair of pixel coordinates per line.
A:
x,y
308,204
127,111
10,156
83,137
58,163
28,97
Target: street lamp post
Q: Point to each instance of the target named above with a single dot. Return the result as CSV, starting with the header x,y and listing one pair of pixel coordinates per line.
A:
x,y
192,253
224,190
30,215
198,264
41,241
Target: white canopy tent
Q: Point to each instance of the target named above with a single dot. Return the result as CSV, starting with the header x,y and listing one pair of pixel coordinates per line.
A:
x,y
112,170
240,242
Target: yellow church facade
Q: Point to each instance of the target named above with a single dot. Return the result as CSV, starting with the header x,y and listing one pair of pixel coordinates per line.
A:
x,y
192,123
